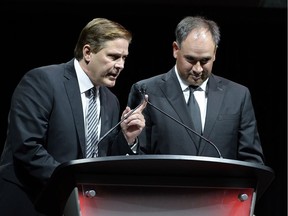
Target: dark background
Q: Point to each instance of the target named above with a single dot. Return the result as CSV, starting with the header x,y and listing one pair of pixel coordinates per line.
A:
x,y
252,51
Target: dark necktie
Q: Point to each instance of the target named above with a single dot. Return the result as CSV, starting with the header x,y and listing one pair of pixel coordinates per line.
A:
x,y
194,109
92,125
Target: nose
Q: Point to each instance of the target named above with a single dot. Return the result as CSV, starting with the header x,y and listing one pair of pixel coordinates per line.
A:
x,y
197,67
120,63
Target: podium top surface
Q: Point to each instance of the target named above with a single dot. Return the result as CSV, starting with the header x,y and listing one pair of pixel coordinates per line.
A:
x,y
169,166
178,164
163,170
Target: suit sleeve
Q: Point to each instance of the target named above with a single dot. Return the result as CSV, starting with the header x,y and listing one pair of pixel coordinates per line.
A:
x,y
249,141
27,132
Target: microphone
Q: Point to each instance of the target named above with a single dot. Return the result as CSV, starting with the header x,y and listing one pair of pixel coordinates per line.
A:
x,y
142,91
113,128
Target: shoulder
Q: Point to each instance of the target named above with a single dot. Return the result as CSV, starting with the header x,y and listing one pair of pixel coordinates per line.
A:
x,y
222,82
158,78
52,68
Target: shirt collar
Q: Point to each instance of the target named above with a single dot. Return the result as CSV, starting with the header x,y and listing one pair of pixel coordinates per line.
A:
x,y
83,80
185,86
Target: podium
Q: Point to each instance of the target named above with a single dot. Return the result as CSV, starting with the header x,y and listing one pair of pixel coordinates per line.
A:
x,y
155,185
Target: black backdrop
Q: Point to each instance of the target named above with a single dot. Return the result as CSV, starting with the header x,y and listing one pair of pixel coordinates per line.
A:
x,y
252,51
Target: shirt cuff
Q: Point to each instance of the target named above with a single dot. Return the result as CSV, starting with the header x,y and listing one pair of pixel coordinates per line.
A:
x,y
134,145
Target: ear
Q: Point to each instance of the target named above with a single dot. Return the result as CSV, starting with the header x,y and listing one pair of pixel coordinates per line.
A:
x,y
176,48
87,52
214,57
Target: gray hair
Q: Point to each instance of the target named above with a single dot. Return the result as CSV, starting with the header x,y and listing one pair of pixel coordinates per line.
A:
x,y
189,23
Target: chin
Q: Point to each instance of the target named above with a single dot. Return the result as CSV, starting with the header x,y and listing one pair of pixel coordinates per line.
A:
x,y
110,84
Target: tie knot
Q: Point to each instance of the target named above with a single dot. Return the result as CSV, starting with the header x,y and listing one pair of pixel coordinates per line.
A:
x,y
92,92
195,88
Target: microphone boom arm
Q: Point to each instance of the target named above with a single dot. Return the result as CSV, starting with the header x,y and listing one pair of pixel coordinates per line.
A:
x,y
109,131
142,90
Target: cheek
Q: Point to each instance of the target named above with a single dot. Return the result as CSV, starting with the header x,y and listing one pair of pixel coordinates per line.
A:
x,y
185,65
102,66
208,67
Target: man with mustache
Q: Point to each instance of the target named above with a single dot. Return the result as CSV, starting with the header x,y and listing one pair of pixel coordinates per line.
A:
x,y
47,118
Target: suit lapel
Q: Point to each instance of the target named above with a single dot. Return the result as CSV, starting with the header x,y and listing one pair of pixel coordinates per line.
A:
x,y
104,116
73,94
173,92
215,98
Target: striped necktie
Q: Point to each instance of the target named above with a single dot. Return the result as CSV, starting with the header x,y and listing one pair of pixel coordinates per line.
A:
x,y
92,125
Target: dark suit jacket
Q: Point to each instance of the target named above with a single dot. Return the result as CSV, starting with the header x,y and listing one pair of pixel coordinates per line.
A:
x,y
46,127
230,121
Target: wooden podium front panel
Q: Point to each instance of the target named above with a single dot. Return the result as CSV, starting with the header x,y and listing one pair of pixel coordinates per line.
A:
x,y
115,200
